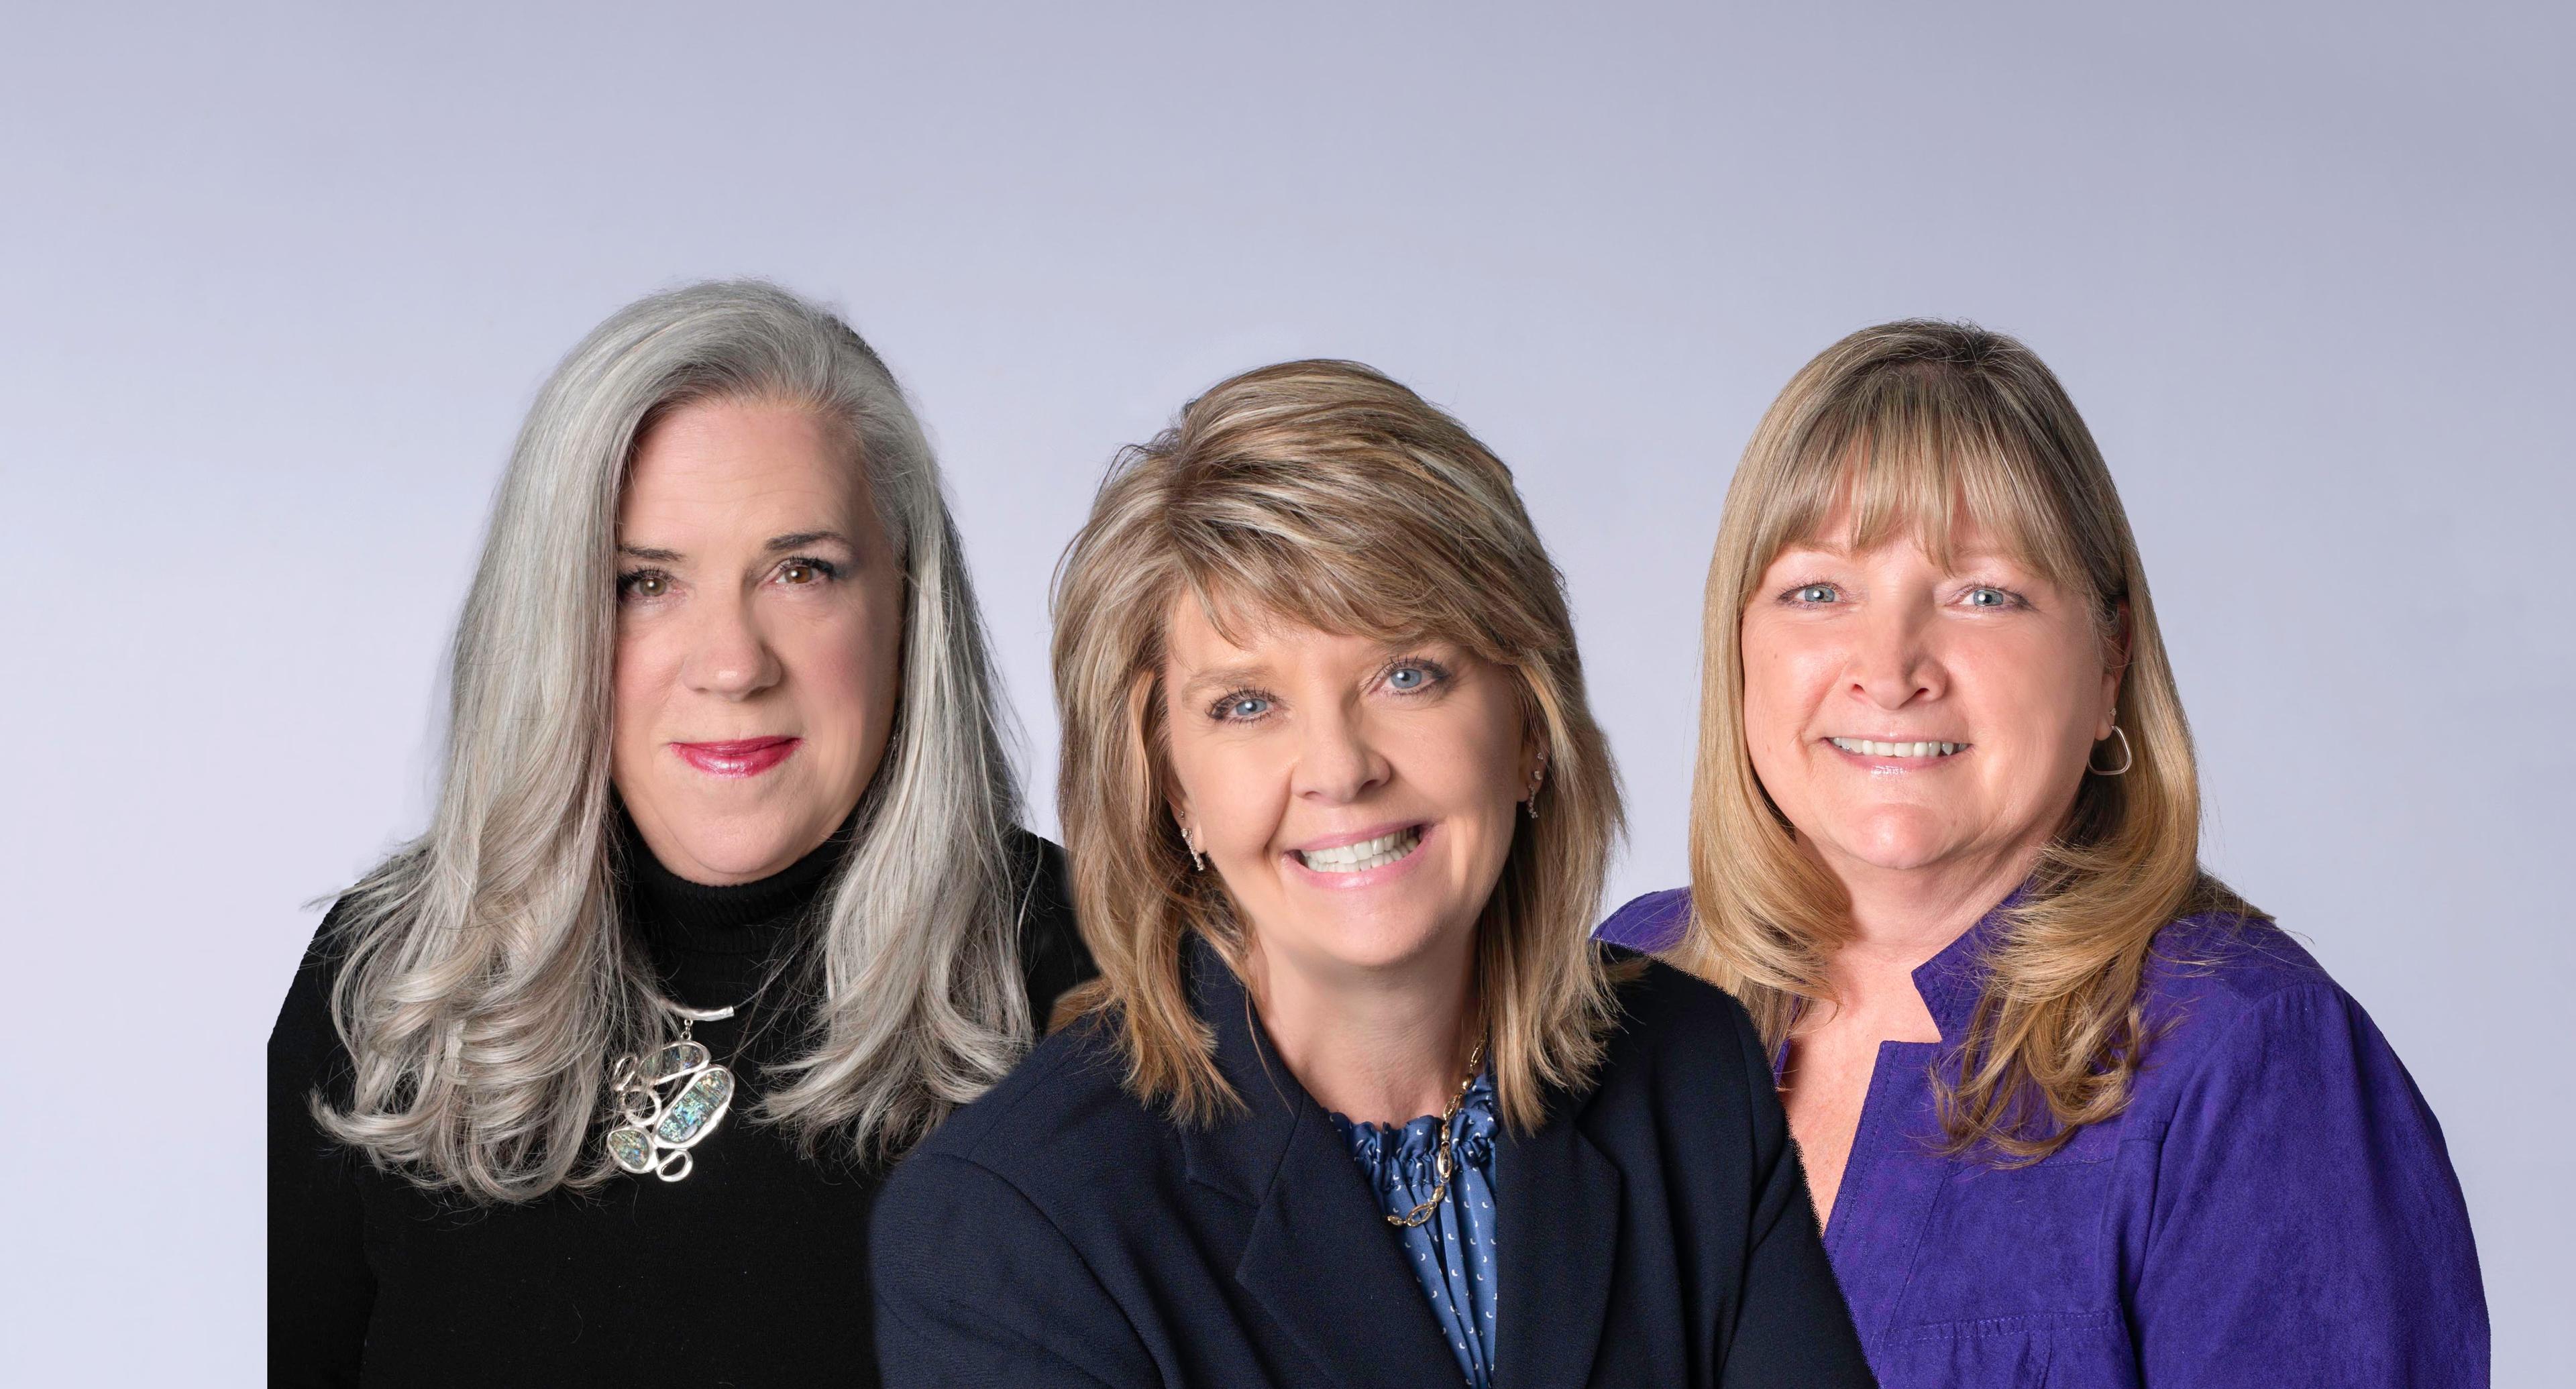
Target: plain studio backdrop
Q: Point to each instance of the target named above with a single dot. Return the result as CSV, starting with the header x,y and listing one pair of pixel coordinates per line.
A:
x,y
278,285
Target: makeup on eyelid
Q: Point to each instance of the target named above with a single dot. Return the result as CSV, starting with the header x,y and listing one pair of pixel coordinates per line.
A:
x,y
1434,675
628,582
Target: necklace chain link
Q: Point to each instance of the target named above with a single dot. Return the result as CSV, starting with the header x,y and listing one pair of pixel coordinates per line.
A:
x,y
1440,1164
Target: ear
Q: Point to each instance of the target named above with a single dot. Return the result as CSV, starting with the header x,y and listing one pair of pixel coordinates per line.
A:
x,y
1533,759
2115,666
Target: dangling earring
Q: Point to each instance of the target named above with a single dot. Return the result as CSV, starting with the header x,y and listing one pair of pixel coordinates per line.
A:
x,y
1198,864
1537,778
2126,758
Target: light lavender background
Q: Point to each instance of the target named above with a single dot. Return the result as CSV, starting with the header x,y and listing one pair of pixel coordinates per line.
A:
x,y
276,284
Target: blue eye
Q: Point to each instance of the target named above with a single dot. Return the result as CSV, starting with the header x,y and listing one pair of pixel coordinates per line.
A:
x,y
1814,593
1983,596
1243,707
1414,674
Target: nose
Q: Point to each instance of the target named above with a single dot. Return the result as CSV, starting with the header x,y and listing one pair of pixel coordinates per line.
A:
x,y
1337,760
728,657
1893,663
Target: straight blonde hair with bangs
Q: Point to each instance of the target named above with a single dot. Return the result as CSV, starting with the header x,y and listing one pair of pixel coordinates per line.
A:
x,y
1914,428
1325,494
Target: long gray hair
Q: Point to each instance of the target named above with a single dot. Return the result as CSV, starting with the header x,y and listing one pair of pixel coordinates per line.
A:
x,y
487,980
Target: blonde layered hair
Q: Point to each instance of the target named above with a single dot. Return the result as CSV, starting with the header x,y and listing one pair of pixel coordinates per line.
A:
x,y
1324,494
1914,429
485,978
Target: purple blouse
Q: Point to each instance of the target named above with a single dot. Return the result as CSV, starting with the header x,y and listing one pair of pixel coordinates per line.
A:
x,y
2274,1208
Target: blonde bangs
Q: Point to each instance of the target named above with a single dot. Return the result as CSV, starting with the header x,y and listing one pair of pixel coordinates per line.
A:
x,y
1913,455
1366,547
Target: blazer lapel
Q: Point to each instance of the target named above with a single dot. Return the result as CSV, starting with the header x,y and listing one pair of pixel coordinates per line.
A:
x,y
1320,1260
1323,1262
1558,1241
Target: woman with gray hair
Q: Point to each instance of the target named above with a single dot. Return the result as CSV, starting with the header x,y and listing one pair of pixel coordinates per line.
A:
x,y
722,907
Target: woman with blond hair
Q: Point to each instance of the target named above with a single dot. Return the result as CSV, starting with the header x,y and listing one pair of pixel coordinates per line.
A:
x,y
721,906
2075,1112
1355,1100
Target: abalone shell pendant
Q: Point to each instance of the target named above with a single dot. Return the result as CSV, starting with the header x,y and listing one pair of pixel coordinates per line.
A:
x,y
666,1104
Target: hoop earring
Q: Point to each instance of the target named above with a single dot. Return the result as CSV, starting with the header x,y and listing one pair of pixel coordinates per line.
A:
x,y
1198,864
2127,759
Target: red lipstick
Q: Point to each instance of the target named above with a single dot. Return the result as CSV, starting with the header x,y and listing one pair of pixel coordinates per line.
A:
x,y
742,757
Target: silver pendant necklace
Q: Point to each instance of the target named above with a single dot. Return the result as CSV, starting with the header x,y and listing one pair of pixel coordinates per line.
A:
x,y
668,1104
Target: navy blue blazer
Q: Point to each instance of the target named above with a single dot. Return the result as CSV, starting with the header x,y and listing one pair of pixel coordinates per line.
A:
x,y
1655,1231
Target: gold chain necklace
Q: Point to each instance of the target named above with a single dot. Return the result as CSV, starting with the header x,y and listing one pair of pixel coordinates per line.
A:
x,y
1440,1159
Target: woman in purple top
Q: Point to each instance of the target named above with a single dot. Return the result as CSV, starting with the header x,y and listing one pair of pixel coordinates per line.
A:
x,y
2074,1112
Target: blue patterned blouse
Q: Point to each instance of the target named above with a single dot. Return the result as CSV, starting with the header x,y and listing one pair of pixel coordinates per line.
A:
x,y
1452,1252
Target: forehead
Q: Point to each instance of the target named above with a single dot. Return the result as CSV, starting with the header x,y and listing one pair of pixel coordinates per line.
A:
x,y
1210,640
719,467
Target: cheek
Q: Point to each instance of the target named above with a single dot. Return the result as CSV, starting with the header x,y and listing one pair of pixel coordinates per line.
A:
x,y
1467,762
1489,762
2034,693
1782,684
847,670
1234,796
640,679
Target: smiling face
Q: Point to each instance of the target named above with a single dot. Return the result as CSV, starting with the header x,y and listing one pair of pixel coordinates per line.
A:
x,y
1356,798
759,629
1913,717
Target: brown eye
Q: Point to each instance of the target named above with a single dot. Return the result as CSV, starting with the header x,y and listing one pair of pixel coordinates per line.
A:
x,y
805,571
644,583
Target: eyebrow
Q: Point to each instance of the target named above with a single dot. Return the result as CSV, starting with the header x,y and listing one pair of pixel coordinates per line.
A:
x,y
777,544
798,540
1222,677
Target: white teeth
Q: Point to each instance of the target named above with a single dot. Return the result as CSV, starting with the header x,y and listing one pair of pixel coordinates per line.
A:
x,y
1363,856
1867,748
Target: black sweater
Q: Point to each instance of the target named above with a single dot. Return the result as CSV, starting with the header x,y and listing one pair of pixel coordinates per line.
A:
x,y
751,1271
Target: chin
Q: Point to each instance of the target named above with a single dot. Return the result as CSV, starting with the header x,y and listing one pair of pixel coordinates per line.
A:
x,y
743,847
1383,941
1896,841
1376,953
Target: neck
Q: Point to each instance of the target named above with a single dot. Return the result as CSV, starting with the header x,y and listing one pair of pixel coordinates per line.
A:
x,y
714,945
1376,1046
1902,917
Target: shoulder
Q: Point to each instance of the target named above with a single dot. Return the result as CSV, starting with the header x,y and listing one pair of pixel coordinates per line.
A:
x,y
307,1009
2225,993
1653,923
2205,971
304,1047
1062,1123
1677,1032
1683,1098
1052,955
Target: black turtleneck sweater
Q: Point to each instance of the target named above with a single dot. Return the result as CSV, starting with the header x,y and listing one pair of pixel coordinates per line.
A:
x,y
750,1271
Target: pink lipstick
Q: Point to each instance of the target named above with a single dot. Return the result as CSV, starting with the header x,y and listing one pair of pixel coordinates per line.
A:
x,y
741,757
